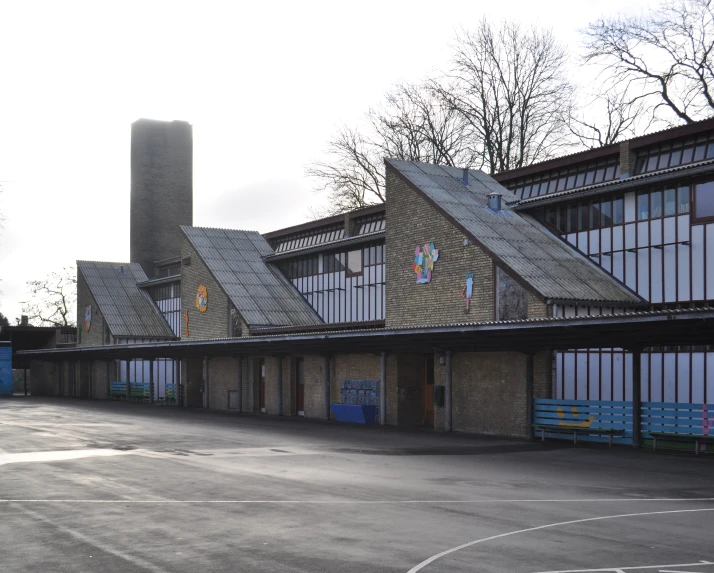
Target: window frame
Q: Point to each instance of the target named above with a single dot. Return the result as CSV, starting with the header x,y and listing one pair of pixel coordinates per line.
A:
x,y
350,273
693,201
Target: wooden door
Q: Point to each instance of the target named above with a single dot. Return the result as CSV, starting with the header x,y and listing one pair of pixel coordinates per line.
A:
x,y
300,386
260,370
429,391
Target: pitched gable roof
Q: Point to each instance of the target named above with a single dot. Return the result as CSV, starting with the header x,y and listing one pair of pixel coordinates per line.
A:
x,y
259,292
127,310
549,265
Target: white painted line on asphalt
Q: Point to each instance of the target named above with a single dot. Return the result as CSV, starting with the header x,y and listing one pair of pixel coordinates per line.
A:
x,y
58,455
135,560
433,558
366,502
639,567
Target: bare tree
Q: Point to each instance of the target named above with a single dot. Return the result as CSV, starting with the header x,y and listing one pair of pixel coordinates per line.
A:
x,y
664,58
412,124
511,86
608,118
53,299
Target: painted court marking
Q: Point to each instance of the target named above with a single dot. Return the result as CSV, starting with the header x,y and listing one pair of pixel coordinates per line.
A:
x,y
433,558
653,568
55,456
385,502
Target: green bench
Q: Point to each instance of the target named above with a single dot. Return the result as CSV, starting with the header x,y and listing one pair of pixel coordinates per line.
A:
x,y
678,423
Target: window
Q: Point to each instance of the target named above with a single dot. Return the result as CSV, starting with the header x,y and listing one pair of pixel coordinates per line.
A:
x,y
643,207
683,203
703,200
618,211
656,204
354,263
606,212
670,202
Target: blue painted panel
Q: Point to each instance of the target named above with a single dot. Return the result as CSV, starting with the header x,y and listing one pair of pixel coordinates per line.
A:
x,y
5,370
354,414
588,414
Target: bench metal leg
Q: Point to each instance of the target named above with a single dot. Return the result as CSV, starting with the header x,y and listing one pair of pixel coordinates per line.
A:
x,y
542,435
696,447
610,440
575,438
654,443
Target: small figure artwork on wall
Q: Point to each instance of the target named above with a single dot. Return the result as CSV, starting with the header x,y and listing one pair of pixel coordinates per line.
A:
x,y
424,259
185,317
202,298
468,290
88,317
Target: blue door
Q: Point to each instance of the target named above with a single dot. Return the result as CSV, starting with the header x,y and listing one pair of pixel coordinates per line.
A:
x,y
5,369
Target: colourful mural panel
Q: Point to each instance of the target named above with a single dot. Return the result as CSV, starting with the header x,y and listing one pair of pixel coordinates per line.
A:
x,y
424,259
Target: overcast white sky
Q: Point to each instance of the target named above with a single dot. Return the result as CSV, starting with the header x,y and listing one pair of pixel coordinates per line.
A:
x,y
264,84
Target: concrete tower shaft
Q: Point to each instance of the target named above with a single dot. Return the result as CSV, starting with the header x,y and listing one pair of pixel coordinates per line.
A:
x,y
161,189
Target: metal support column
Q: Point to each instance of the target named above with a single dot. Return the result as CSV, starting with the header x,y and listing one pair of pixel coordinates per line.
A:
x,y
108,377
448,426
25,380
529,395
90,379
240,384
151,380
205,382
327,387
383,390
280,385
636,397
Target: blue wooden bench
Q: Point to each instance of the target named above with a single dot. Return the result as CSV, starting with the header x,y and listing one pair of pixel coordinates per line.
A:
x,y
171,394
594,420
117,390
678,422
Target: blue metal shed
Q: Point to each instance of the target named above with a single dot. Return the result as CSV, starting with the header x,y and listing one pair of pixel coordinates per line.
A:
x,y
5,368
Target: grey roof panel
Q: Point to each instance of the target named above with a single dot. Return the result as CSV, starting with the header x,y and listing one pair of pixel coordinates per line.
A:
x,y
260,293
550,266
126,308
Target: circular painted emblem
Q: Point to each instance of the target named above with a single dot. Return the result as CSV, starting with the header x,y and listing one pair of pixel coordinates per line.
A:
x,y
88,317
202,298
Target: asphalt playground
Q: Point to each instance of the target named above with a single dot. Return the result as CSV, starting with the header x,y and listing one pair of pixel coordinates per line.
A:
x,y
115,487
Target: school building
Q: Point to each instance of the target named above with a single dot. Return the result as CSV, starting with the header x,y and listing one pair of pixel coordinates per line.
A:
x,y
465,302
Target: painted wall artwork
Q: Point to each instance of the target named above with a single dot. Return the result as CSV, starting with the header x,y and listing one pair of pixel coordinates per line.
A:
x,y
468,290
88,317
424,259
185,318
202,298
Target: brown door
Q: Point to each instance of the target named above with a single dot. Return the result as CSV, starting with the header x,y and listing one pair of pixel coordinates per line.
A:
x,y
429,391
261,384
300,386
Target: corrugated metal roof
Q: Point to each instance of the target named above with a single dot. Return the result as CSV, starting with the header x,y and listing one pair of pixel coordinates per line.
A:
x,y
127,310
259,292
548,264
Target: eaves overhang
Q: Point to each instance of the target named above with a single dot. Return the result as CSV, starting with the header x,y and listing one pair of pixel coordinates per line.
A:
x,y
628,184
323,247
628,330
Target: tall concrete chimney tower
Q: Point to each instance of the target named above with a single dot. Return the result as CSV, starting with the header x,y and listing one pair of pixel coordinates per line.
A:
x,y
161,189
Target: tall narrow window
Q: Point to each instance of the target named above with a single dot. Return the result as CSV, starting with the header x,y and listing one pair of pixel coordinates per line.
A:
x,y
354,262
618,211
704,200
670,202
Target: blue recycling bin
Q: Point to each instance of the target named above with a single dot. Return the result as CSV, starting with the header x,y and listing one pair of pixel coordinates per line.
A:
x,y
354,413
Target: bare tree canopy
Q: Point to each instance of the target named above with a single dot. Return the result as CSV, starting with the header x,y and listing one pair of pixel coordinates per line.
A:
x,y
663,58
53,299
511,86
413,124
3,320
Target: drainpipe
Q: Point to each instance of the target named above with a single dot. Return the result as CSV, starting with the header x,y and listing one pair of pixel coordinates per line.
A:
x,y
280,385
448,426
383,390
327,387
240,384
636,397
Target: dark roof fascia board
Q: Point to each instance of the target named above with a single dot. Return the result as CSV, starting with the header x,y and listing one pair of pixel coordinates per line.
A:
x,y
557,162
161,281
612,149
347,241
380,336
337,326
363,212
627,184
